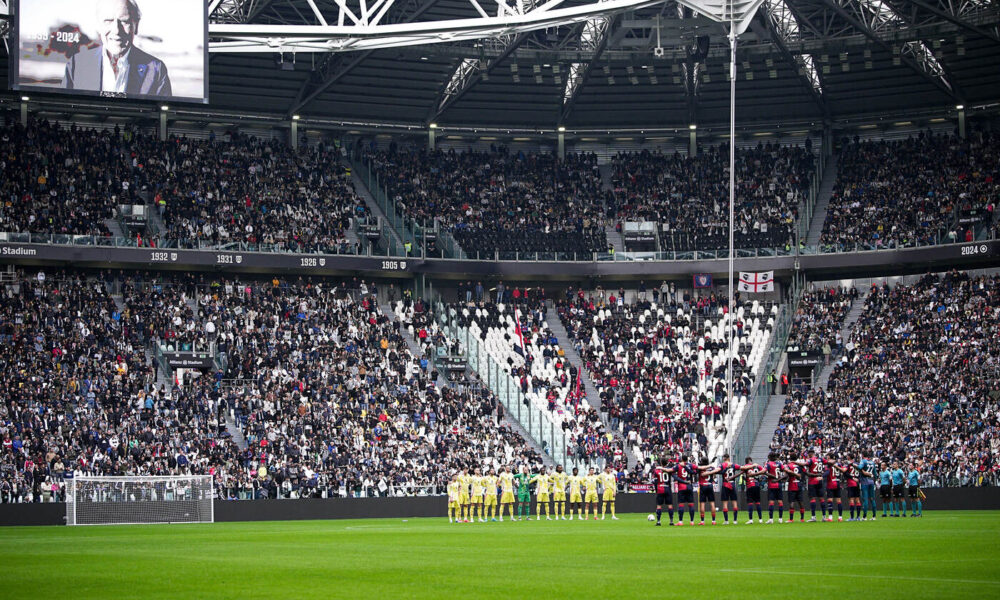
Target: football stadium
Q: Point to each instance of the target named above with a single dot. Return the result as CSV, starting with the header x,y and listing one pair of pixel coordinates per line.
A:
x,y
499,298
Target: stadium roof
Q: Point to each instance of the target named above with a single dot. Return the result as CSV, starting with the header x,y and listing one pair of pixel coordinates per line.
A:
x,y
799,61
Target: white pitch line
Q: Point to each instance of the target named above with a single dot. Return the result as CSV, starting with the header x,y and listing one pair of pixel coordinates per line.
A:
x,y
897,578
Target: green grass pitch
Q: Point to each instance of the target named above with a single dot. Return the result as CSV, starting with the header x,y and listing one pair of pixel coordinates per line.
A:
x,y
942,555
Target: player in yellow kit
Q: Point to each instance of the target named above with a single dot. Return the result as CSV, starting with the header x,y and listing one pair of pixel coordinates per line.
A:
x,y
558,486
453,505
610,484
590,499
542,482
506,492
476,481
575,495
463,495
489,483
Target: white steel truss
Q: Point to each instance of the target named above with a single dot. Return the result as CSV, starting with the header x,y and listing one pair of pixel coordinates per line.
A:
x,y
471,70
235,11
880,21
593,39
739,13
786,25
364,28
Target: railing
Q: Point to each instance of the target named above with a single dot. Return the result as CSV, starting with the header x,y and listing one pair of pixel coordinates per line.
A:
x,y
534,421
409,231
808,208
937,240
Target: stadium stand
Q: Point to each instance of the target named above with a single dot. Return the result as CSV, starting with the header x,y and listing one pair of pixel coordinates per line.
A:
x,y
539,368
330,398
330,402
686,196
62,181
259,193
71,180
819,318
660,365
79,394
893,194
918,383
500,201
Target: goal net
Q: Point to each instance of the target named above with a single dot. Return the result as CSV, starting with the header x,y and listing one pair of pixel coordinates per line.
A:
x,y
136,500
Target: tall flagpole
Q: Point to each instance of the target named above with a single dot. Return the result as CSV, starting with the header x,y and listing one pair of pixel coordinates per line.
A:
x,y
732,199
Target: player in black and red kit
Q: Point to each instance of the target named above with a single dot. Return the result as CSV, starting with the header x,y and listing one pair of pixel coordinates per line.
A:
x,y
815,468
706,490
684,474
793,471
774,471
753,471
730,472
833,472
661,482
852,474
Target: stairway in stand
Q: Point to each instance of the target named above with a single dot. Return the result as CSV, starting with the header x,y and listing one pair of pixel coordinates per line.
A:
x,y
592,395
768,425
822,201
845,334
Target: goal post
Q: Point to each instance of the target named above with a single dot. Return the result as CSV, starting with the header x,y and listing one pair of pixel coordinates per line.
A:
x,y
134,500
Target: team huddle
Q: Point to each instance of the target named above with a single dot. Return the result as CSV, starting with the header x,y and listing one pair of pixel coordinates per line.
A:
x,y
472,496
824,477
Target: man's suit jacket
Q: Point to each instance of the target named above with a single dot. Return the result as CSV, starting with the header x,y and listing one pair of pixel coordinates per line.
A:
x,y
147,74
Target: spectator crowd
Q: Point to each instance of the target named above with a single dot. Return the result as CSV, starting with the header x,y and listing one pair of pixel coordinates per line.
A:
x,y
820,316
500,201
318,382
913,192
919,382
659,363
688,197
71,180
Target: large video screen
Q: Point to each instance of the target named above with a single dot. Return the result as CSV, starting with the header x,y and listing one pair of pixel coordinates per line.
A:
x,y
136,49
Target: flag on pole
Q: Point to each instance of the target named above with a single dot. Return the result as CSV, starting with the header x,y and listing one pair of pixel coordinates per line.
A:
x,y
756,282
519,346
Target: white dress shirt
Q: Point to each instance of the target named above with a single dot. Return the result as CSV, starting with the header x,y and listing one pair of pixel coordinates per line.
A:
x,y
110,82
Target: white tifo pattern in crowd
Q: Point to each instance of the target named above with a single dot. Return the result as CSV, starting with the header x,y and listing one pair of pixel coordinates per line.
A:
x,y
549,373
758,324
139,500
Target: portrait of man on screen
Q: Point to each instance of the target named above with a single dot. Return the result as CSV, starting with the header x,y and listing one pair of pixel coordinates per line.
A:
x,y
117,65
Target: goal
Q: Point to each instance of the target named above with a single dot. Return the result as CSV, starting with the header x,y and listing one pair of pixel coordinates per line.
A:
x,y
139,500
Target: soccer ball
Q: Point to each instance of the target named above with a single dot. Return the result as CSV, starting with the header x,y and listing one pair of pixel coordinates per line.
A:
x,y
651,518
